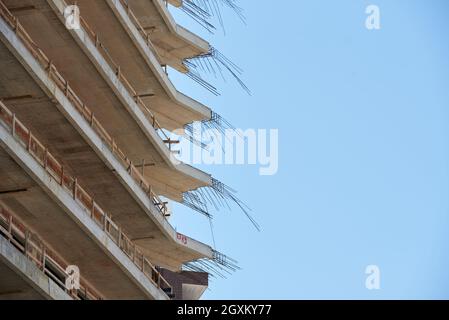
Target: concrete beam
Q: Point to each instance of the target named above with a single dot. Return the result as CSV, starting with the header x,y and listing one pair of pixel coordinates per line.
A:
x,y
38,283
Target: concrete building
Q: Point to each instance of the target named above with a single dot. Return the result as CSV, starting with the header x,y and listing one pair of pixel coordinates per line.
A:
x,y
85,156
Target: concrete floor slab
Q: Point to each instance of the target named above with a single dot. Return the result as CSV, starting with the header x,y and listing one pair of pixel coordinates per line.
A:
x,y
20,279
118,196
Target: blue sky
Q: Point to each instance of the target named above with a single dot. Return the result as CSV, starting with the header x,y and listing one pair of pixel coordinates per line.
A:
x,y
363,150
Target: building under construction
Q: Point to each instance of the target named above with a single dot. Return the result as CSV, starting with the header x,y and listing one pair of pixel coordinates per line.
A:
x,y
86,165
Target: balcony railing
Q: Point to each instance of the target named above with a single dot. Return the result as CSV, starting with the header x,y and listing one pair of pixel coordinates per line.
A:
x,y
70,184
145,35
45,259
86,113
124,81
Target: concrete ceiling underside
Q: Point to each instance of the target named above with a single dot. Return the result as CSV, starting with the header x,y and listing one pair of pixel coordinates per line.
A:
x,y
54,39
172,109
43,216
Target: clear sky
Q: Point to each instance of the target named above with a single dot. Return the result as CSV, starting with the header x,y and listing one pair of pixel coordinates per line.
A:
x,y
363,150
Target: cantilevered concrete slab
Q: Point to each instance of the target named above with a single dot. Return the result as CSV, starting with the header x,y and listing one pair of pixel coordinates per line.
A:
x,y
173,42
140,64
21,279
48,210
187,285
95,82
43,108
